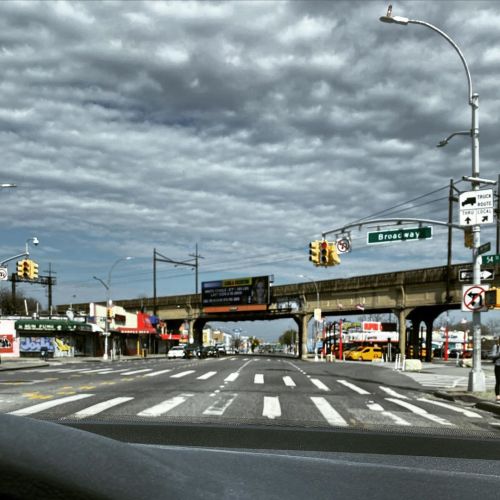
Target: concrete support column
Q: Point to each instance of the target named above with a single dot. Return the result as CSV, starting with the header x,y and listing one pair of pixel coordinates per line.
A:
x,y
429,323
302,321
402,314
191,330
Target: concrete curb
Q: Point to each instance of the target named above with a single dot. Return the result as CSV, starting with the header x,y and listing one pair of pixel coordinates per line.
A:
x,y
21,366
479,403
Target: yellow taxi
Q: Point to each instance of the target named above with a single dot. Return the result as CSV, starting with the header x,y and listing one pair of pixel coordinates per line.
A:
x,y
367,353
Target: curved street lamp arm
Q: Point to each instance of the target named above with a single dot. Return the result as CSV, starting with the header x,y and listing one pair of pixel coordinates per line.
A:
x,y
455,46
344,229
102,282
24,254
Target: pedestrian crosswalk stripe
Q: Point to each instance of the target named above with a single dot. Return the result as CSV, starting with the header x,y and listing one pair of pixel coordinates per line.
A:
x,y
161,372
165,406
134,372
319,384
31,410
258,379
288,381
102,370
182,374
420,411
232,377
272,408
393,393
397,420
220,405
206,376
465,412
100,407
331,415
355,388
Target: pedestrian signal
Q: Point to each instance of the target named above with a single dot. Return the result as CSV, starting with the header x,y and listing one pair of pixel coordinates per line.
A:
x,y
492,298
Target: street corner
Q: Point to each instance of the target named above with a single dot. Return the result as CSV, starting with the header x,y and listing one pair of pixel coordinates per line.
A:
x,y
478,401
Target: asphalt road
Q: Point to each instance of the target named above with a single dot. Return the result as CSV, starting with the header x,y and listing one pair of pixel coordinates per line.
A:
x,y
235,390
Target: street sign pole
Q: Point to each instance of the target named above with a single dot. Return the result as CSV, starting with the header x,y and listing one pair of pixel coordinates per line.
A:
x,y
477,379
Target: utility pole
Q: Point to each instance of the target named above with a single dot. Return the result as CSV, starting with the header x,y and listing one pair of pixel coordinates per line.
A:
x,y
158,257
451,199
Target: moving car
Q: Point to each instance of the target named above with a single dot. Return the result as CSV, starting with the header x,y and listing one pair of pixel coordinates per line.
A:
x,y
209,351
367,353
177,351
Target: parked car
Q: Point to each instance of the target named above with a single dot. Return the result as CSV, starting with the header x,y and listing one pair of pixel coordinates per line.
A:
x,y
365,354
177,351
192,350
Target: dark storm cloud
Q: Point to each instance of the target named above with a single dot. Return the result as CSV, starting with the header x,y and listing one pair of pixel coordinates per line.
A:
x,y
245,126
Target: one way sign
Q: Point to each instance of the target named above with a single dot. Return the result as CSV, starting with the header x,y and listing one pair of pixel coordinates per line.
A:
x,y
466,275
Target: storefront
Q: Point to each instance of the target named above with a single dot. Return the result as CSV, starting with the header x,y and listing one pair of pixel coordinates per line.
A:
x,y
9,343
61,338
140,339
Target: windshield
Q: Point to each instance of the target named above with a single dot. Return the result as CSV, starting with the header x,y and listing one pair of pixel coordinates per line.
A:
x,y
235,214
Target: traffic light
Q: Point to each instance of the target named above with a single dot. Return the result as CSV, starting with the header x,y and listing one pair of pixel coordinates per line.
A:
x,y
492,298
324,253
468,238
26,268
314,252
20,269
333,256
34,270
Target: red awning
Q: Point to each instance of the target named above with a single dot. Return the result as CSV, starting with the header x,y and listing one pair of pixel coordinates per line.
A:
x,y
170,336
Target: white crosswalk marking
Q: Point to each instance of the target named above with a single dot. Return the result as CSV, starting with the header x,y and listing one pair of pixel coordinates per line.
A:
x,y
134,372
319,384
355,388
206,376
331,415
421,412
107,372
155,374
465,412
397,420
258,379
165,406
71,370
288,381
182,374
220,405
393,393
232,377
272,408
100,407
31,410
102,370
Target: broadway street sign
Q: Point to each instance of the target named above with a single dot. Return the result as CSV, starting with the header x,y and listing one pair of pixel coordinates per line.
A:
x,y
408,234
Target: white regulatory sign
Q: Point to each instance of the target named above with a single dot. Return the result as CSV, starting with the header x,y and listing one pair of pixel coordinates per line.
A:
x,y
343,245
476,207
473,298
4,274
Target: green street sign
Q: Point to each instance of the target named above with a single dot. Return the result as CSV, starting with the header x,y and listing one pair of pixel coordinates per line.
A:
x,y
491,259
408,234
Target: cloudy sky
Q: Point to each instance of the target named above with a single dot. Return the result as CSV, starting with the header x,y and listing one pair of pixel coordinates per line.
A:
x,y
248,128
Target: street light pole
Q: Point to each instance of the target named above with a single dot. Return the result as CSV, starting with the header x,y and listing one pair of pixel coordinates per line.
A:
x,y
107,286
477,381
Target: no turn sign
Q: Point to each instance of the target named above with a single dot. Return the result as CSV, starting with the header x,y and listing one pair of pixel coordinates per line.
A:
x,y
343,245
4,274
473,298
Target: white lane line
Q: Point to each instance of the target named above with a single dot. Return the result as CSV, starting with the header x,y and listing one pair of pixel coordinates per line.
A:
x,y
465,412
319,384
182,374
259,378
232,377
71,370
165,406
206,376
161,372
102,370
136,371
397,420
355,388
331,415
30,410
420,411
393,393
288,381
100,407
220,405
272,408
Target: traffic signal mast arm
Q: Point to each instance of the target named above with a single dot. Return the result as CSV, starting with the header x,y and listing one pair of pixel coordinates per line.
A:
x,y
398,221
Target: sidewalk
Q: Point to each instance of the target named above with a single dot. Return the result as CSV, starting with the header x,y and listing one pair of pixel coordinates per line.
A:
x,y
27,363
